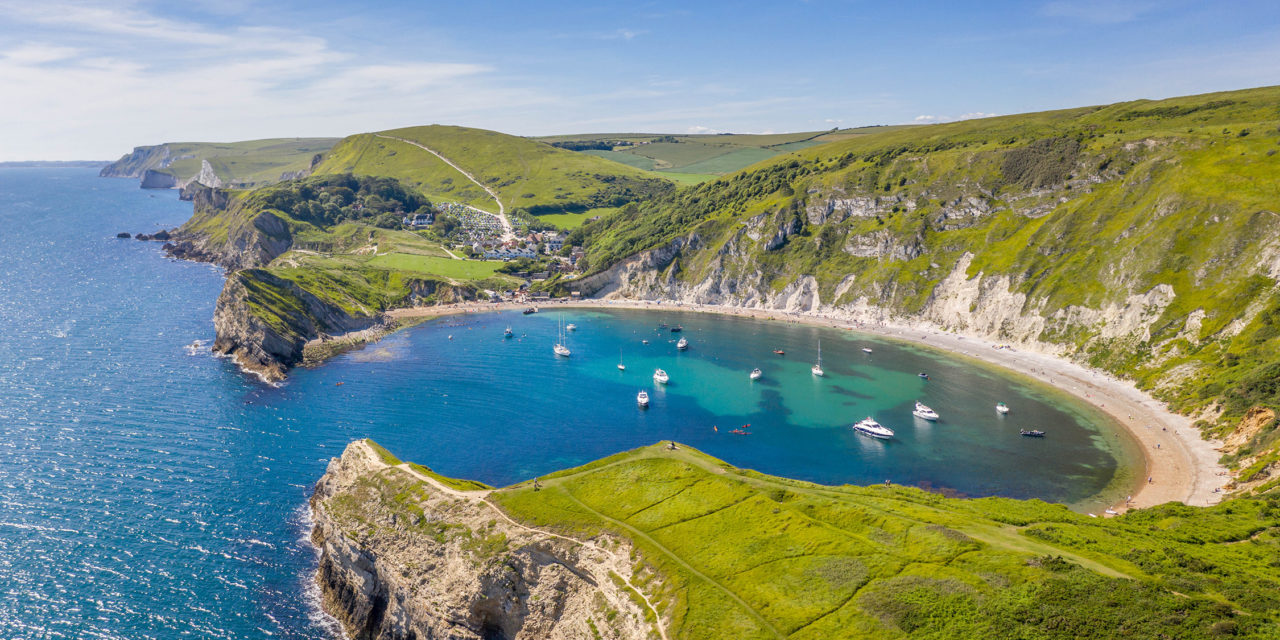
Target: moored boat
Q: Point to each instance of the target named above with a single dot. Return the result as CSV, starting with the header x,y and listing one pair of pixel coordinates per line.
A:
x,y
571,327
677,329
817,369
683,344
508,333
866,350
756,373
924,413
560,348
1031,433
660,376
780,352
1002,408
869,427
642,399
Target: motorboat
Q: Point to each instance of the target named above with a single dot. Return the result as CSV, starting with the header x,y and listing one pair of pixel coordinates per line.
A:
x,y
1002,408
923,375
1031,433
642,399
571,327
866,350
779,352
530,310
817,367
756,373
683,344
660,376
508,333
869,427
924,413
677,329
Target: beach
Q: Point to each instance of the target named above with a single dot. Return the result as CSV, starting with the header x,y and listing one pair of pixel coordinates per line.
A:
x,y
1180,465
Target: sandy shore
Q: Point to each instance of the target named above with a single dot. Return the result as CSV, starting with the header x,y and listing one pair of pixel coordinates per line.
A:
x,y
1180,465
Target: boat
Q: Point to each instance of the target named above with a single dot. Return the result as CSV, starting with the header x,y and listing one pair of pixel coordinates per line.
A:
x,y
817,368
866,350
1031,433
924,413
756,373
660,376
871,428
644,342
529,310
677,329
683,344
621,367
560,348
923,375
780,352
571,327
508,333
1002,408
642,398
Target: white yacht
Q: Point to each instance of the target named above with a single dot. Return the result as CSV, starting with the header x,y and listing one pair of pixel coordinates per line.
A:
x,y
1002,408
683,344
508,333
817,368
560,348
642,399
622,367
756,373
866,350
924,413
660,376
870,427
571,327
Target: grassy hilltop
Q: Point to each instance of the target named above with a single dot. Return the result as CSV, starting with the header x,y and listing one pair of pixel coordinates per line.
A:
x,y
731,553
528,176
1138,236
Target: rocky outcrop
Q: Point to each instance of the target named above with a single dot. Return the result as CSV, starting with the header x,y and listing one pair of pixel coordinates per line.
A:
x,y
225,232
269,339
152,179
404,557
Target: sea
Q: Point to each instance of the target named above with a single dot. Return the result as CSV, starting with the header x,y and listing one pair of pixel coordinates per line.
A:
x,y
151,490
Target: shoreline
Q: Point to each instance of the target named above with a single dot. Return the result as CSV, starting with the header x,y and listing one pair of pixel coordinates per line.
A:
x,y
1181,465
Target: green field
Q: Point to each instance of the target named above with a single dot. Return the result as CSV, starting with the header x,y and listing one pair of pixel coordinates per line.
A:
x,y
445,267
680,156
571,221
732,553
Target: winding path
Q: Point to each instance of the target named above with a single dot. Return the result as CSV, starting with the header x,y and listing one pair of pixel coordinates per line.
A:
x,y
507,233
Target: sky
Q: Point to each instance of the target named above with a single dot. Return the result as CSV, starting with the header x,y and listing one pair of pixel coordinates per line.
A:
x,y
91,80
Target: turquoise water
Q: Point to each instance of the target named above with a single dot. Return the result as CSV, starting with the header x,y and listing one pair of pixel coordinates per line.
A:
x,y
151,491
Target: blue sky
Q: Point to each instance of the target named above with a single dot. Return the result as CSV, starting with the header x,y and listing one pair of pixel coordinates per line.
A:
x,y
91,79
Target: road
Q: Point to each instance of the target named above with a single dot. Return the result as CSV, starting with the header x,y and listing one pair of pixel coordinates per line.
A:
x,y
507,233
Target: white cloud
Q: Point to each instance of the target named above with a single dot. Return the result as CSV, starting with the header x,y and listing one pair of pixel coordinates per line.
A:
x,y
134,78
964,116
697,128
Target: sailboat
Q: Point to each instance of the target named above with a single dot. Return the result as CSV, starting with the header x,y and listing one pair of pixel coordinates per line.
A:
x,y
817,368
621,367
560,349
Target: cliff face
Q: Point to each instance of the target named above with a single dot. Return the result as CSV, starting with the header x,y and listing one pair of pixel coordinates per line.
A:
x,y
138,162
224,231
405,557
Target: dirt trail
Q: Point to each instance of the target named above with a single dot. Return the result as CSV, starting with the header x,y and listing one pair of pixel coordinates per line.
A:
x,y
507,233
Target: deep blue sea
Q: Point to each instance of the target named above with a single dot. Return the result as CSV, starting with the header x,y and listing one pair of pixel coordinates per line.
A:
x,y
150,490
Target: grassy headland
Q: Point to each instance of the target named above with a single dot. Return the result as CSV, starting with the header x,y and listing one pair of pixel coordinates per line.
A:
x,y
727,552
236,164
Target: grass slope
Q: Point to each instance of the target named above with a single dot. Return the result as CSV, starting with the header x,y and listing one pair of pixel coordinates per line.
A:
x,y
1079,209
738,554
526,174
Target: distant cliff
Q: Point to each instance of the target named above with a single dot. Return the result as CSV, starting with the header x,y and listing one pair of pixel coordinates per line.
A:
x,y
251,163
